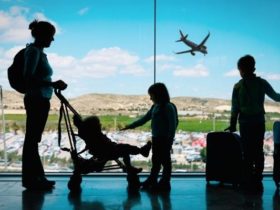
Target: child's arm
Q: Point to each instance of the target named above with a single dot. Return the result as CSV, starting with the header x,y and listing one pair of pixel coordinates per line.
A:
x,y
140,121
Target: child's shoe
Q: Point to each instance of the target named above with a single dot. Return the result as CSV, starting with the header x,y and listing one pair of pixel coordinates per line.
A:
x,y
164,186
145,150
148,185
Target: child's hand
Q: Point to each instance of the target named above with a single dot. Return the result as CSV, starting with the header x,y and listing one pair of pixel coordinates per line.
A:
x,y
77,120
231,129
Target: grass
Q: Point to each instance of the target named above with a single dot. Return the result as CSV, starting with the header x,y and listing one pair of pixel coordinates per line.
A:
x,y
110,122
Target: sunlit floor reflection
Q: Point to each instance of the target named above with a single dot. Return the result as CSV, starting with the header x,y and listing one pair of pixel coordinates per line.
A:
x,y
111,192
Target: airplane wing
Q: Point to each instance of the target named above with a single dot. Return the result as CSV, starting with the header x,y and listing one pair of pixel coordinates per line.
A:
x,y
186,51
204,40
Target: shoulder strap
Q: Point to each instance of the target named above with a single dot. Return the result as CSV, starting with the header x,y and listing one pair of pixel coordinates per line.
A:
x,y
176,112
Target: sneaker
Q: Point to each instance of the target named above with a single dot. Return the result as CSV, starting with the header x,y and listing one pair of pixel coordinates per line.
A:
x,y
145,150
37,185
148,185
164,186
44,179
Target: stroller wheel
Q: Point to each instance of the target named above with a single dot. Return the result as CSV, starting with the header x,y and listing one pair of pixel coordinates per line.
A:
x,y
74,183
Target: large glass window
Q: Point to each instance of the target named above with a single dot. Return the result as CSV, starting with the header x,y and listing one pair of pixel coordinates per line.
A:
x,y
105,51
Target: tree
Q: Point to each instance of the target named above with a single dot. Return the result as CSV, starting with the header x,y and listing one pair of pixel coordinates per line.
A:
x,y
203,154
15,127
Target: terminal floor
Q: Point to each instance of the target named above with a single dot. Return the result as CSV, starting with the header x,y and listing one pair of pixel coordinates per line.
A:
x,y
110,193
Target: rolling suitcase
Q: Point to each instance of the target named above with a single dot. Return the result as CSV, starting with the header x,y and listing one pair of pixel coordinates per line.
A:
x,y
224,158
276,153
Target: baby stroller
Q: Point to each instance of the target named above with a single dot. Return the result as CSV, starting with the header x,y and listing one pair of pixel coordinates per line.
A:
x,y
82,165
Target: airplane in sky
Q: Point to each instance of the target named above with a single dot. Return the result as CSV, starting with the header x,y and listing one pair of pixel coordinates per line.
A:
x,y
194,47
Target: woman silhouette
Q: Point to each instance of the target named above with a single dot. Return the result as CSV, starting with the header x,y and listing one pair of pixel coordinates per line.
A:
x,y
39,89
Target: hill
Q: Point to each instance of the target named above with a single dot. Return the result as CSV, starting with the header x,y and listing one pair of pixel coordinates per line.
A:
x,y
128,104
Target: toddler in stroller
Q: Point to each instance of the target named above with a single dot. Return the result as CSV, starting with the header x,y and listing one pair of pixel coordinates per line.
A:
x,y
99,145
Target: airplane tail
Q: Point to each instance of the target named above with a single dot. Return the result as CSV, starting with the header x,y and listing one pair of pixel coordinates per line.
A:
x,y
183,37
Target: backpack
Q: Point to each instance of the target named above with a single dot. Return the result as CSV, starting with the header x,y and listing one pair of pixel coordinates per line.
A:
x,y
15,72
176,111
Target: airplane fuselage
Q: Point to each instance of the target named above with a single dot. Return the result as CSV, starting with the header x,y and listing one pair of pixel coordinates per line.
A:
x,y
195,47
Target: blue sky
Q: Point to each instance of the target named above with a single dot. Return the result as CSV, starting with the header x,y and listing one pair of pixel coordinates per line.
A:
x,y
107,46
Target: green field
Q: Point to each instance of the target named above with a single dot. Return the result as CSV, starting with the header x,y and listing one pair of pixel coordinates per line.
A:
x,y
17,121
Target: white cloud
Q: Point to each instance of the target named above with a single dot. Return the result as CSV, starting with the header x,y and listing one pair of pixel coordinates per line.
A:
x,y
266,75
101,63
198,70
61,61
232,73
14,24
83,11
160,58
136,70
112,55
271,76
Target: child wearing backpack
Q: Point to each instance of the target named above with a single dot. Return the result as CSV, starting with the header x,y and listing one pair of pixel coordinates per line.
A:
x,y
248,108
164,121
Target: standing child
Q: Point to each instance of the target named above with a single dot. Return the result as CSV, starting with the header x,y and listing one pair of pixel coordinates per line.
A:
x,y
248,108
164,121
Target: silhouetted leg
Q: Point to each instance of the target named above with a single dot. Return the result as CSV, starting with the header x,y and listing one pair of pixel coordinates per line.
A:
x,y
252,137
126,149
276,164
156,161
37,114
126,160
259,154
248,162
166,163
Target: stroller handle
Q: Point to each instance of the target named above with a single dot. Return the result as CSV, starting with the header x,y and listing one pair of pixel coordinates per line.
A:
x,y
65,102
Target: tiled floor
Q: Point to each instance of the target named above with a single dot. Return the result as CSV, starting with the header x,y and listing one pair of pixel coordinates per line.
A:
x,y
110,193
